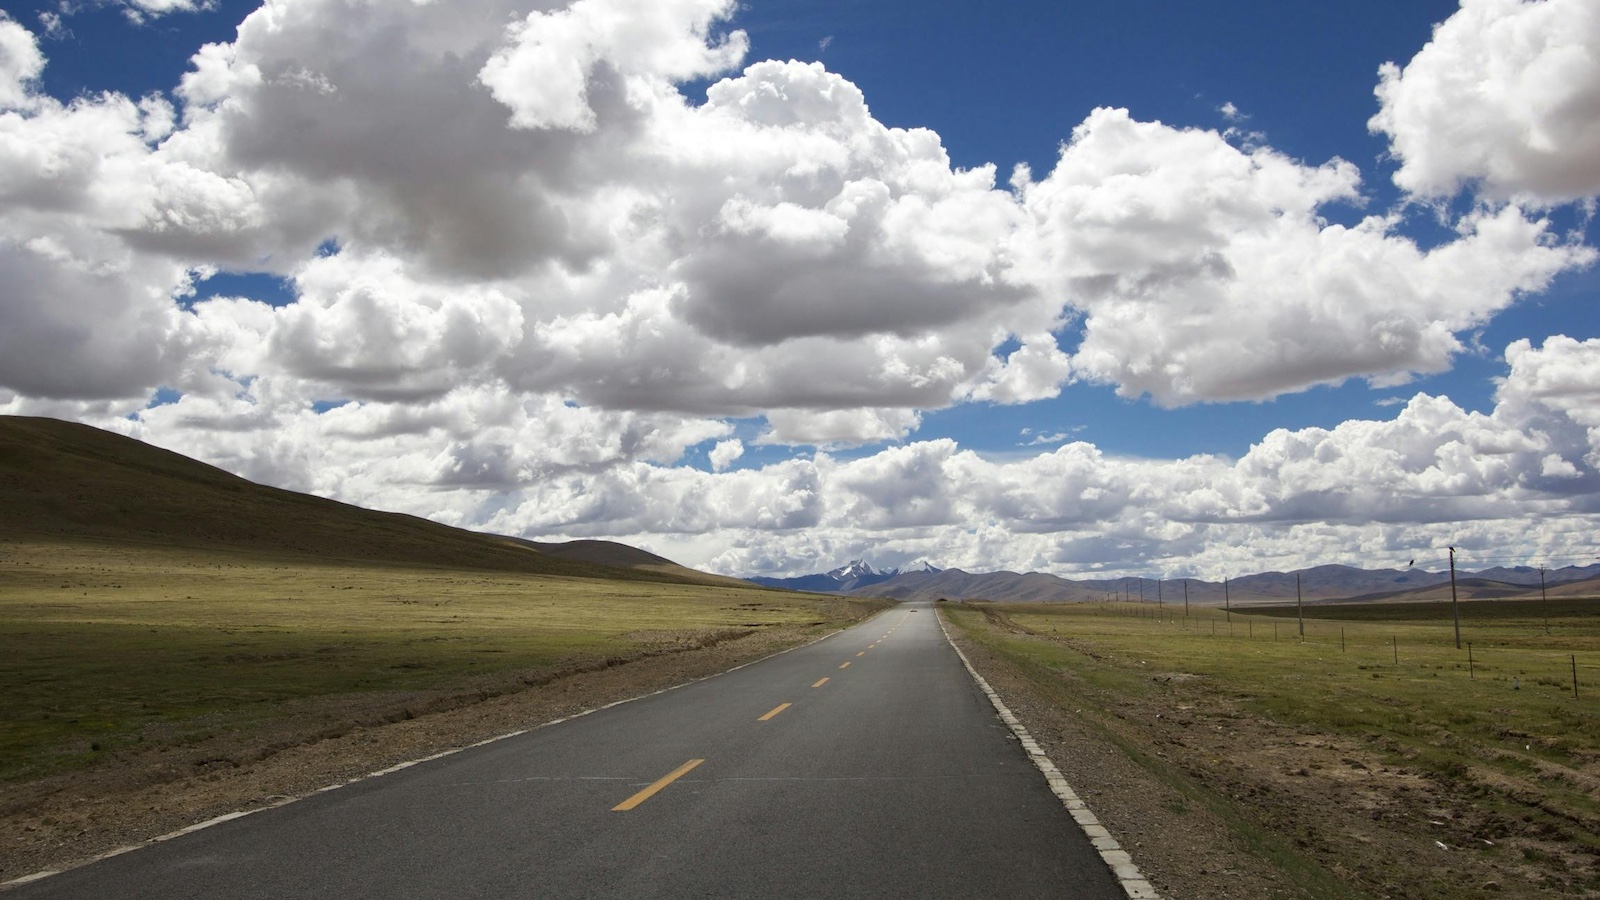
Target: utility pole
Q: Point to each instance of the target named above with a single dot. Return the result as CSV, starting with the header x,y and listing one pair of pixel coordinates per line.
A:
x,y
1141,589
1160,604
1227,604
1455,610
1299,607
1544,599
1186,599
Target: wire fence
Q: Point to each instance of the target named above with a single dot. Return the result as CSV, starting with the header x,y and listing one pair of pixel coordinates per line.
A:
x,y
1525,644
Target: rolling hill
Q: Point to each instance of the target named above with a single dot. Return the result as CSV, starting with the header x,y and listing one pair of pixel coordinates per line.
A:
x,y
66,481
623,556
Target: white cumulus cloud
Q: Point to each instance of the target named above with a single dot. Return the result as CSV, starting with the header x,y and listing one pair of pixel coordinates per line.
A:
x,y
1507,95
20,62
725,453
1208,273
544,77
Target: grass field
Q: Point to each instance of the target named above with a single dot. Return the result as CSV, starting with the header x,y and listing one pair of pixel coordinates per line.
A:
x,y
109,646
1502,733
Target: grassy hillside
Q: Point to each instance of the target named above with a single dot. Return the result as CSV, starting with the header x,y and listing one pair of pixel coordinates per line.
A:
x,y
622,556
150,603
65,481
107,648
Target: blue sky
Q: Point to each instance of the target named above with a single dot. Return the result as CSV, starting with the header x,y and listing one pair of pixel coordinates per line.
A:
x,y
352,303
1006,82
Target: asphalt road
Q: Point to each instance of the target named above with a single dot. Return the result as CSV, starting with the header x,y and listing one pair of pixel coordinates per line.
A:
x,y
865,765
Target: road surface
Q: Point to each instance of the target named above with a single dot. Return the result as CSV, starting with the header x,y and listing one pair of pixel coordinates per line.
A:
x,y
865,765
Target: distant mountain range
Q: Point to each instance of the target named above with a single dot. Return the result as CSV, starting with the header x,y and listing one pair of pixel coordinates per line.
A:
x,y
924,581
854,577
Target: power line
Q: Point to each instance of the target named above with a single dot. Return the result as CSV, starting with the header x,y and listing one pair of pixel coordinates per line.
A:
x,y
1527,560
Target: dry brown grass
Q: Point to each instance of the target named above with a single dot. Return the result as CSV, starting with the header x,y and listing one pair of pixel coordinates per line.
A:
x,y
107,647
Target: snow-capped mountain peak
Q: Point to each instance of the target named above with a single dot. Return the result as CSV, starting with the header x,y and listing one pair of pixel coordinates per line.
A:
x,y
861,570
857,568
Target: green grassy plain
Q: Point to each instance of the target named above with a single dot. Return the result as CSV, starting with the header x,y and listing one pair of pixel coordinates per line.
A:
x,y
1503,732
108,645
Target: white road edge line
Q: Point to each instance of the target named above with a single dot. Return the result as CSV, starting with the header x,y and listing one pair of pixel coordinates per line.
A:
x,y
1116,858
228,817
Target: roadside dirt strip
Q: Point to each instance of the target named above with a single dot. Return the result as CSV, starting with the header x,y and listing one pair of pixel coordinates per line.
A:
x,y
1118,859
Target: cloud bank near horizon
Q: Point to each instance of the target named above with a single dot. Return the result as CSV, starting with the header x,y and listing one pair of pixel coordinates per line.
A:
x,y
528,275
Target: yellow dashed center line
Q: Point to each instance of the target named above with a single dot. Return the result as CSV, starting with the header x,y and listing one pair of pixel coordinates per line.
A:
x,y
820,682
775,710
844,665
653,789
862,653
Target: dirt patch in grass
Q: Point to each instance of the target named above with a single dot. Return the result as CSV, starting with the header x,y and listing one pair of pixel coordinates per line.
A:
x,y
135,795
1217,798
1388,829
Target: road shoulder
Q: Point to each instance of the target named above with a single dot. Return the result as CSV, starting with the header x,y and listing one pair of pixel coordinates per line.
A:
x,y
1183,849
